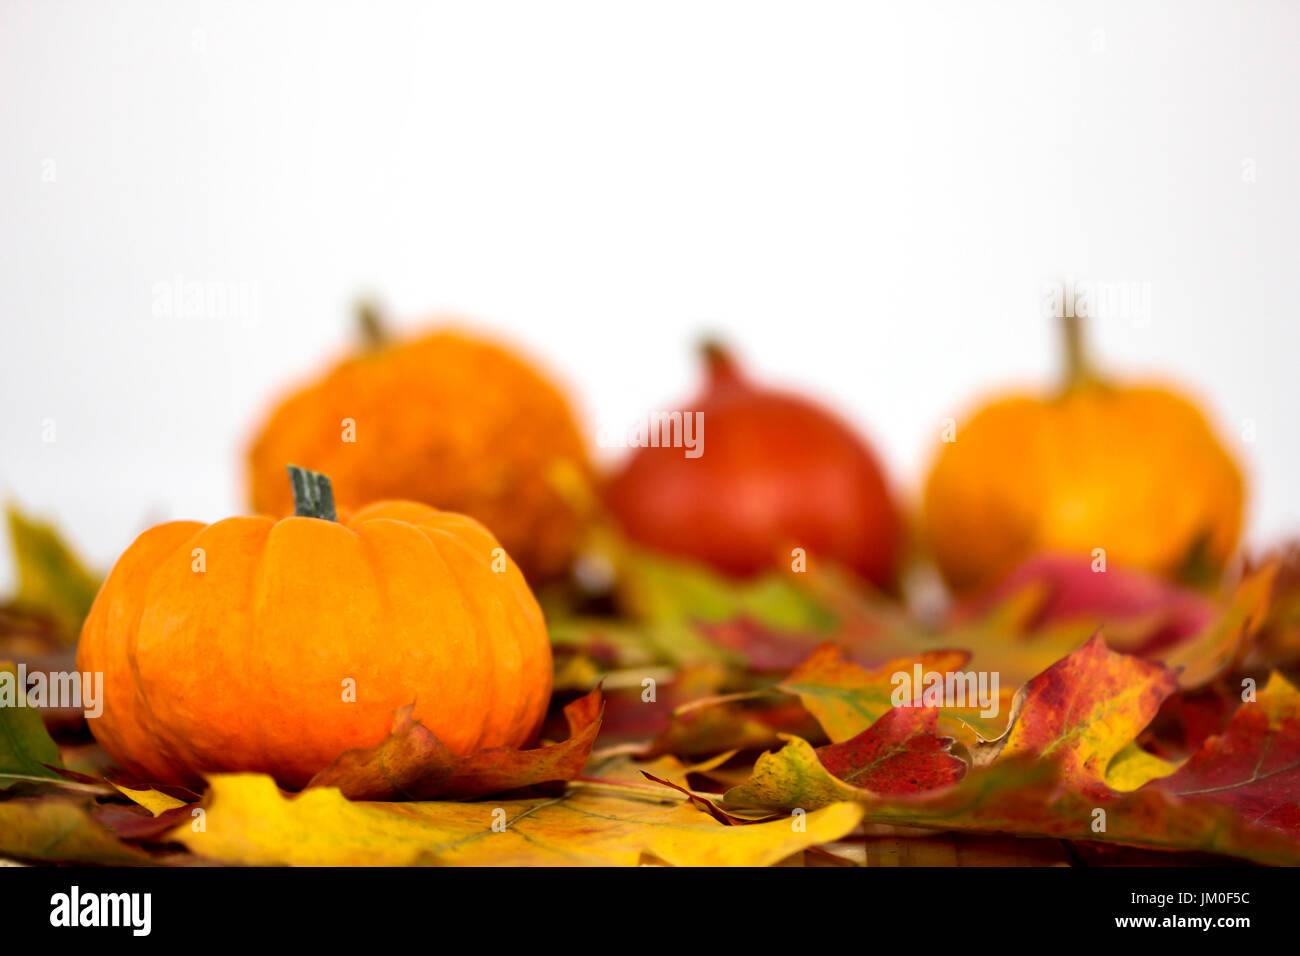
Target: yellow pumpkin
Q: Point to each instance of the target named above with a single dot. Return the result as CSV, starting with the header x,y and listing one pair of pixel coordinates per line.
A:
x,y
448,418
273,646
1133,470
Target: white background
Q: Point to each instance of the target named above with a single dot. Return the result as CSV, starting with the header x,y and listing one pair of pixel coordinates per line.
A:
x,y
868,199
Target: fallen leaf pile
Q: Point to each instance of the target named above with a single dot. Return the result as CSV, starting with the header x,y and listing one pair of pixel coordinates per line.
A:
x,y
698,721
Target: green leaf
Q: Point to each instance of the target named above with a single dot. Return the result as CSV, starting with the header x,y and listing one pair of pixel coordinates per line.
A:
x,y
50,577
60,831
25,746
663,590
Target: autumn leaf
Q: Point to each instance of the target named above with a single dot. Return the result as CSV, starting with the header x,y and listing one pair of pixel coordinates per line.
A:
x,y
741,722
899,754
870,630
655,588
137,825
1133,767
58,830
640,710
1082,711
250,821
620,771
1058,595
999,638
702,802
26,751
1072,734
668,772
29,633
50,577
688,713
791,778
606,644
1023,796
1071,590
1046,609
1030,797
1225,639
155,801
413,764
1254,766
1191,716
846,698
671,607
764,649
1277,645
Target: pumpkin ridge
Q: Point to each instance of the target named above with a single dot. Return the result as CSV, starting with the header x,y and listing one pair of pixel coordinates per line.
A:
x,y
523,641
531,612
94,654
469,602
255,639
384,587
444,567
146,710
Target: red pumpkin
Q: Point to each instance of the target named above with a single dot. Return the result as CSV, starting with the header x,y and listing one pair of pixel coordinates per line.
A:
x,y
777,472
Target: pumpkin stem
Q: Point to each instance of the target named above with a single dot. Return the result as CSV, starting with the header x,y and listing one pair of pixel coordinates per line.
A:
x,y
370,320
312,495
1078,367
719,363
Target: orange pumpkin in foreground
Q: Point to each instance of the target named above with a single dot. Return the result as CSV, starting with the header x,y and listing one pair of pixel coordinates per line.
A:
x,y
273,646
450,418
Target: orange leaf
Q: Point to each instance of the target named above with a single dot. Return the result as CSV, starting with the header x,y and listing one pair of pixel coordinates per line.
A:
x,y
1082,711
413,764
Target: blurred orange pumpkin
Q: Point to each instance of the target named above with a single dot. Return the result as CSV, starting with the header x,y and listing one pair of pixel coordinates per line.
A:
x,y
273,646
448,418
1134,470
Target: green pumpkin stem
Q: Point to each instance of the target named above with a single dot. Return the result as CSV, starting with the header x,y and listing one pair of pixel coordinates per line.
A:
x,y
312,495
